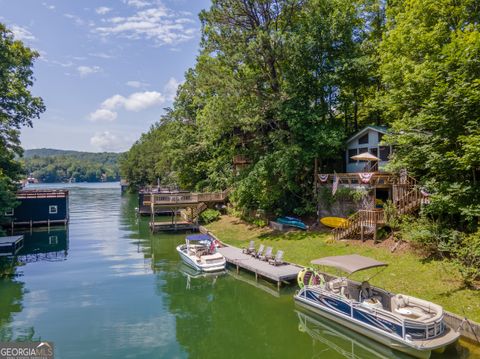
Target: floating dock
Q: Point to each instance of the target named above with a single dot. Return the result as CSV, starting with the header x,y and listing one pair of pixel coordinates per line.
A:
x,y
9,246
281,273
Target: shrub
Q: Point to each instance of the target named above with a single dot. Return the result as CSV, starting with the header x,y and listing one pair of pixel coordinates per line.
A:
x,y
431,237
467,258
209,216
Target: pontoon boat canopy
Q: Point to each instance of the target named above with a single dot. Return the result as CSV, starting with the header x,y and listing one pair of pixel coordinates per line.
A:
x,y
350,263
199,237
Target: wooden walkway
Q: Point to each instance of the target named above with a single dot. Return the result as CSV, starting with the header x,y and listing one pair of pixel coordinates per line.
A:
x,y
281,273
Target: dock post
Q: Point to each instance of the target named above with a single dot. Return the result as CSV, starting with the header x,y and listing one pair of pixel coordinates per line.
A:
x,y
31,224
238,269
278,285
256,277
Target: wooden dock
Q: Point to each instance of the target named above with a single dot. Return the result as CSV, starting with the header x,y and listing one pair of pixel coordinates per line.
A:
x,y
9,246
281,273
173,226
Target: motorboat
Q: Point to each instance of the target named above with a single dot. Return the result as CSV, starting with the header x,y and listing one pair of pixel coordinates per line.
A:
x,y
404,323
200,252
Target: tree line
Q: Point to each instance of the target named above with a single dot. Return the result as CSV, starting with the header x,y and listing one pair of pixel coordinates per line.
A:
x,y
50,166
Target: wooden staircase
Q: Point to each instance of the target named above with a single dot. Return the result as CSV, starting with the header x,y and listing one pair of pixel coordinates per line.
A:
x,y
191,214
407,198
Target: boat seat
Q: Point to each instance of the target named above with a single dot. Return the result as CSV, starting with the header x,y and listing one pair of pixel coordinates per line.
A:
x,y
338,286
413,308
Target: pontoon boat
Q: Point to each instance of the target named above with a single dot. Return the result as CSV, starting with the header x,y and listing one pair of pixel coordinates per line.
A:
x,y
410,325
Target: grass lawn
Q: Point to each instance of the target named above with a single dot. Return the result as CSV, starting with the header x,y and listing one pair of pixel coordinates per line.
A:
x,y
436,281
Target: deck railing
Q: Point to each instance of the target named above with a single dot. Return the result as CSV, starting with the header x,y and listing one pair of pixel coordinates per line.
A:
x,y
359,221
42,194
378,178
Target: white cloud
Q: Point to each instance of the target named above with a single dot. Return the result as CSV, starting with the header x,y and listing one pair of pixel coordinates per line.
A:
x,y
135,102
22,33
138,3
107,141
75,18
101,55
87,70
102,10
103,114
170,88
136,84
48,6
159,24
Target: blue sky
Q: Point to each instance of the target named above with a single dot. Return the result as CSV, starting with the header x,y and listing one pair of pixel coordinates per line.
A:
x,y
107,68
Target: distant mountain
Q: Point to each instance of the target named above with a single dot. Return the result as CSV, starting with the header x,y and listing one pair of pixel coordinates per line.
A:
x,y
50,165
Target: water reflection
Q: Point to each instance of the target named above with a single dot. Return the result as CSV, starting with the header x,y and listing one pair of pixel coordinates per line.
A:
x,y
341,340
44,245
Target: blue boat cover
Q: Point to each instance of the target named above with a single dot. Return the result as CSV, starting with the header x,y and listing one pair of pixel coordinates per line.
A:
x,y
199,237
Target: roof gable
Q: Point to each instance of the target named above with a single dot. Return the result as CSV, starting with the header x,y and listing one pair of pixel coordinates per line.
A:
x,y
380,129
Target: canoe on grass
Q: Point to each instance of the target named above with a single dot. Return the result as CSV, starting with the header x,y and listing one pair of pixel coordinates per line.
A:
x,y
334,222
292,222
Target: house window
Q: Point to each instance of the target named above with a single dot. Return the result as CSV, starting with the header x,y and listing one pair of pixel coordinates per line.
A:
x,y
380,136
9,212
374,151
384,153
352,152
53,209
362,150
363,140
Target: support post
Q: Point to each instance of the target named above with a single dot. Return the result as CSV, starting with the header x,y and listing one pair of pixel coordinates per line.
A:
x,y
256,277
361,232
238,269
278,285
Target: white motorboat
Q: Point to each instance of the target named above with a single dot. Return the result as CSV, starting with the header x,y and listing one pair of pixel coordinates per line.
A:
x,y
200,252
407,324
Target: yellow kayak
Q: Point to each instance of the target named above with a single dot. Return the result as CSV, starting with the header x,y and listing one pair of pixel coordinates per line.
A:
x,y
334,222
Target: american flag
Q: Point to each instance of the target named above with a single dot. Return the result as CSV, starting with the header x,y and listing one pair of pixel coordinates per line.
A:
x,y
336,179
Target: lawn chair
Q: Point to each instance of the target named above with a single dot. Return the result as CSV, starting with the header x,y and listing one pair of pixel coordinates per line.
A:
x,y
258,253
277,260
250,249
268,254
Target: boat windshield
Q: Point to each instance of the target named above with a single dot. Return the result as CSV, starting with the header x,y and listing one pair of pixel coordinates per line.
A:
x,y
349,263
199,238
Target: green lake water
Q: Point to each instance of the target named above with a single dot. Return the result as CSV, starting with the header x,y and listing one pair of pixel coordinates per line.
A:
x,y
105,287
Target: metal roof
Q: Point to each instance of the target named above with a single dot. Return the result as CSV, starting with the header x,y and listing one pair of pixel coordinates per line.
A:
x,y
381,129
349,263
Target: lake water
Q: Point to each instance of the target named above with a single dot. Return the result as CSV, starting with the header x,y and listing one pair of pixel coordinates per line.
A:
x,y
105,287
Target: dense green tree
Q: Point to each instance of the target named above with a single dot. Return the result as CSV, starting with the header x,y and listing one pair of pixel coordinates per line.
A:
x,y
17,108
431,71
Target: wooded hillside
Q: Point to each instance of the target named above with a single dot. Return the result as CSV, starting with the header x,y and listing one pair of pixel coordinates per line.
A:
x,y
50,165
